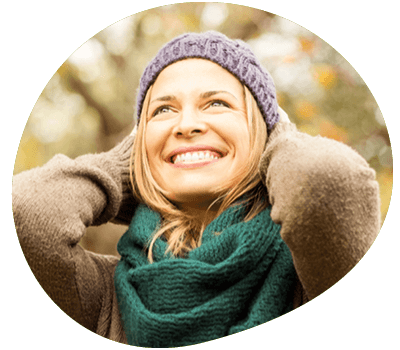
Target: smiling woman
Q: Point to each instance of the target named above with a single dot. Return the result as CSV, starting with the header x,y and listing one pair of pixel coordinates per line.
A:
x,y
196,135
235,217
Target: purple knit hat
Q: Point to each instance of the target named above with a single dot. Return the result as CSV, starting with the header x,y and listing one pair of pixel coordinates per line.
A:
x,y
233,55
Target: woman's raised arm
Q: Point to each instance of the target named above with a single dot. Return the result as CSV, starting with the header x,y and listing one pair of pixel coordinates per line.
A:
x,y
325,197
52,207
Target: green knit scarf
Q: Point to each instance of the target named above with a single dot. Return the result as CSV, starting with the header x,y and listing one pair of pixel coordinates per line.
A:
x,y
235,280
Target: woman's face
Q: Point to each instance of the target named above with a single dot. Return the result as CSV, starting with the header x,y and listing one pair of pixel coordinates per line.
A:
x,y
197,136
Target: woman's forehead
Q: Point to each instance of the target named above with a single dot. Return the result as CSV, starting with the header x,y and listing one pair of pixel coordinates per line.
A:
x,y
195,73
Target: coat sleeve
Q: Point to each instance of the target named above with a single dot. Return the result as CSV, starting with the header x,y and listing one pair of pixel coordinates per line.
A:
x,y
52,207
326,199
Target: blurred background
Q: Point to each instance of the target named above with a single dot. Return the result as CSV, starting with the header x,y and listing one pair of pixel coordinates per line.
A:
x,y
88,105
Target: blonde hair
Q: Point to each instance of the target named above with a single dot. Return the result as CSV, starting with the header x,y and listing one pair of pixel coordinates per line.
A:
x,y
182,231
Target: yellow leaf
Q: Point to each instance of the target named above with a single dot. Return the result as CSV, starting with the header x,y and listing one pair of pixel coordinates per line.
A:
x,y
325,75
305,110
307,45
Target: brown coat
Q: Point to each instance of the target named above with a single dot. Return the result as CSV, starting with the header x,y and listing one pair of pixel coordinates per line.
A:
x,y
323,194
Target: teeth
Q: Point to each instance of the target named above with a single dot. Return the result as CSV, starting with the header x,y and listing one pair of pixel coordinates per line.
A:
x,y
194,157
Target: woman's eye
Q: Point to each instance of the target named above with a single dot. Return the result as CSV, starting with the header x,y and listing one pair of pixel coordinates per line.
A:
x,y
218,104
160,110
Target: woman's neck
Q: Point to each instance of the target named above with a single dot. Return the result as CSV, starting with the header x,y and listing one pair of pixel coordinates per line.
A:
x,y
203,213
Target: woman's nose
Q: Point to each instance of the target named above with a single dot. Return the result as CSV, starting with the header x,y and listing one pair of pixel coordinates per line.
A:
x,y
189,125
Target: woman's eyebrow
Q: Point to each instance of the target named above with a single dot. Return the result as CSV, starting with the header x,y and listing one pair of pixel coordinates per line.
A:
x,y
203,95
212,93
164,98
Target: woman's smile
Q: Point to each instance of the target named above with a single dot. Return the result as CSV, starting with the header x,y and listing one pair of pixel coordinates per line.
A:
x,y
194,163
194,157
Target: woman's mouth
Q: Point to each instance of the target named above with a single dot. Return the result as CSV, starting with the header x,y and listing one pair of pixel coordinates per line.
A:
x,y
194,156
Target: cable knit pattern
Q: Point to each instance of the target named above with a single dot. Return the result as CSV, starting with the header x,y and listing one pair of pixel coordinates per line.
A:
x,y
233,55
236,280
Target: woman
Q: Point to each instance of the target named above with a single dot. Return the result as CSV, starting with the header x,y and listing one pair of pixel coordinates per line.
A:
x,y
235,218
